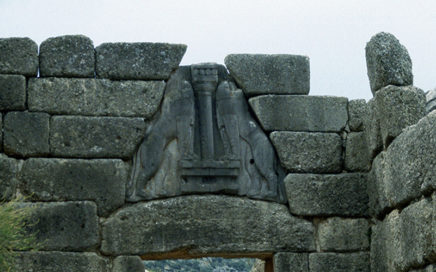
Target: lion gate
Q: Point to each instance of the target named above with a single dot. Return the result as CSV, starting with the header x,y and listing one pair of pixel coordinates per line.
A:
x,y
127,157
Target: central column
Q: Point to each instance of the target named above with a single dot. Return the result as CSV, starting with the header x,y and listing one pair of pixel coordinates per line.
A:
x,y
205,81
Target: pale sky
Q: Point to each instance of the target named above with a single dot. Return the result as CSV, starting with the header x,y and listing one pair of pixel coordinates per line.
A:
x,y
332,33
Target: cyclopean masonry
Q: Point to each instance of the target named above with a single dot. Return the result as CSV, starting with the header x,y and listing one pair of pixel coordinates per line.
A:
x,y
127,156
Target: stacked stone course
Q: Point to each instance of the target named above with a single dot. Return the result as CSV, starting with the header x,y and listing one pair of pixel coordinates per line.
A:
x,y
353,169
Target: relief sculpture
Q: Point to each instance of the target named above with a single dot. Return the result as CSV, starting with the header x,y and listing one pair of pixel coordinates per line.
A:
x,y
205,141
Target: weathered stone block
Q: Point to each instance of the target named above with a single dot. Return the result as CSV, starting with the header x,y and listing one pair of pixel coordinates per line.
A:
x,y
357,111
388,62
73,136
327,195
378,201
1,132
74,96
372,130
357,158
69,56
343,234
102,181
18,56
64,225
270,74
8,177
398,108
308,152
431,101
138,60
195,225
26,133
60,262
300,113
405,239
128,264
295,262
429,268
339,262
12,92
407,169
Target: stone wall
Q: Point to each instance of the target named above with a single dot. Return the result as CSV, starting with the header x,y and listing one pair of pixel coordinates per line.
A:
x,y
359,191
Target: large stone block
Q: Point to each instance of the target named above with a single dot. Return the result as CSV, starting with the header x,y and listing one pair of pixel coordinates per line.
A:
x,y
378,202
339,262
8,177
372,130
408,165
343,234
431,101
300,113
405,239
102,181
60,262
114,137
26,133
74,96
66,226
357,111
191,226
12,92
294,262
357,158
18,56
138,60
128,264
68,56
398,108
270,74
308,152
327,195
388,62
429,268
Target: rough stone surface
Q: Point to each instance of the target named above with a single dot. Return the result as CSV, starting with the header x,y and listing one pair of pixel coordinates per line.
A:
x,y
270,74
388,62
194,225
18,56
357,158
357,111
66,226
26,133
398,108
1,132
407,168
429,268
60,262
339,262
308,152
343,234
431,101
74,96
327,195
8,177
372,129
12,92
295,262
102,181
138,60
378,201
300,113
128,264
73,136
405,239
68,56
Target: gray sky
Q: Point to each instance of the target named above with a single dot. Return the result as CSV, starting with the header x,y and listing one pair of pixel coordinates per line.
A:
x,y
333,33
